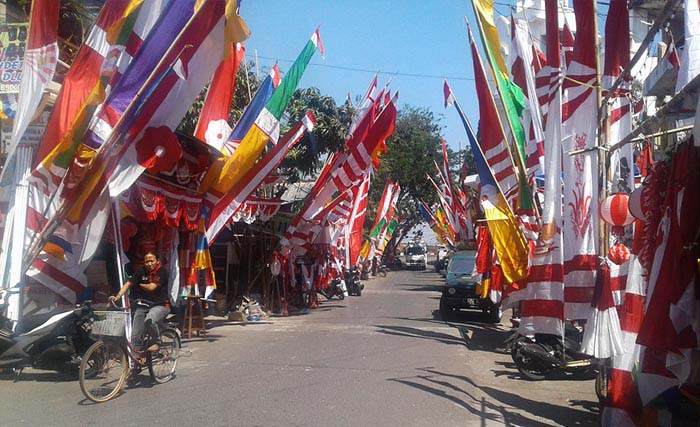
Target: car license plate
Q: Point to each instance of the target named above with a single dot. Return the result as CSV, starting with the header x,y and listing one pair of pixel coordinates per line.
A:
x,y
471,301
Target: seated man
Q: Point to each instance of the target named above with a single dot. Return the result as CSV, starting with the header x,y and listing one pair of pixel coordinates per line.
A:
x,y
150,299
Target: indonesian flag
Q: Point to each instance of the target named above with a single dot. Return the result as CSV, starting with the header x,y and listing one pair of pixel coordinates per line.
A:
x,y
38,67
579,127
212,126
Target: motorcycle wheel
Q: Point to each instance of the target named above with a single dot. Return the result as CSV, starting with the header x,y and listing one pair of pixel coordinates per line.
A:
x,y
527,368
341,295
515,345
382,272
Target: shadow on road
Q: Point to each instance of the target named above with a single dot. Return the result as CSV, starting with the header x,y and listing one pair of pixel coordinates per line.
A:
x,y
419,288
405,331
39,376
500,403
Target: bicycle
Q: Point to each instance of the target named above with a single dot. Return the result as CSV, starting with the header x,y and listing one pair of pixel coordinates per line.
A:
x,y
107,363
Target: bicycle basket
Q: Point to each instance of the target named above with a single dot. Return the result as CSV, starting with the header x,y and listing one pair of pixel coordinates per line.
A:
x,y
109,323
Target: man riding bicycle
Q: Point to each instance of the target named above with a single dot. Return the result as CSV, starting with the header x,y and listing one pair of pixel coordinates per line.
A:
x,y
150,294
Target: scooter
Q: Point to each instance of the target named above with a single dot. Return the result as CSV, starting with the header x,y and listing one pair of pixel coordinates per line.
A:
x,y
52,342
335,289
546,354
352,281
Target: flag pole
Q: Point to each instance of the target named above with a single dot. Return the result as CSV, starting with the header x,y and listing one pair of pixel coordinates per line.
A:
x,y
603,135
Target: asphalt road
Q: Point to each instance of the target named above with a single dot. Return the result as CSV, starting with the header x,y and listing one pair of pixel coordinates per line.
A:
x,y
384,358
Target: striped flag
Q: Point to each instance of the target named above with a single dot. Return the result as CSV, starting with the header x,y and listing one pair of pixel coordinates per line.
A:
x,y
542,307
38,67
212,126
579,127
356,221
623,405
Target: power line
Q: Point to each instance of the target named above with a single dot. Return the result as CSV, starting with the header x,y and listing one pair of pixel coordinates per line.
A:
x,y
366,70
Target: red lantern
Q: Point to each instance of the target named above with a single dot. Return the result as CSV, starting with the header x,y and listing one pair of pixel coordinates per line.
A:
x,y
618,253
614,210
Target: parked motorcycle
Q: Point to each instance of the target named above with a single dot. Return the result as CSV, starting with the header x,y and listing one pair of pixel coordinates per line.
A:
x,y
546,354
52,342
352,281
335,289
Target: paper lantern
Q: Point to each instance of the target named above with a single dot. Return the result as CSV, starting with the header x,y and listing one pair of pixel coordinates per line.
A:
x,y
618,253
275,264
613,210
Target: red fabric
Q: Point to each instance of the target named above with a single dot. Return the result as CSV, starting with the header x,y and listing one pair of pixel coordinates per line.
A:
x,y
602,294
623,394
496,278
678,265
158,150
484,250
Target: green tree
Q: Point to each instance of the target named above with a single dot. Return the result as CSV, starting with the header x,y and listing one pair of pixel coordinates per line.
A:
x,y
328,135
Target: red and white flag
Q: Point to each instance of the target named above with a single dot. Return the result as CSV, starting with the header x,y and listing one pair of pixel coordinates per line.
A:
x,y
579,127
623,406
669,330
617,58
355,224
213,127
542,308
567,45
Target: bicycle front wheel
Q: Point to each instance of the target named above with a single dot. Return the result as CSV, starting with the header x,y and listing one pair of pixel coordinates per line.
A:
x,y
164,361
103,371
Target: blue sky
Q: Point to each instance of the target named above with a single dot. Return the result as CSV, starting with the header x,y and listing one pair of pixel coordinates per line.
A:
x,y
398,38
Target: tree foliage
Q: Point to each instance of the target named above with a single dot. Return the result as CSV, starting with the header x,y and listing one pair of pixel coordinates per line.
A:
x,y
328,135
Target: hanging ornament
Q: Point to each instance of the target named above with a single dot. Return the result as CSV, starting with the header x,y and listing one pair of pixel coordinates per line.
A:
x,y
618,253
613,210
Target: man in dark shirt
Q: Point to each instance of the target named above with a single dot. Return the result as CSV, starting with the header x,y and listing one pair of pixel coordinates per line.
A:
x,y
150,297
